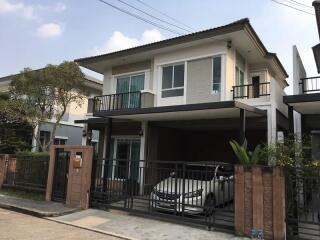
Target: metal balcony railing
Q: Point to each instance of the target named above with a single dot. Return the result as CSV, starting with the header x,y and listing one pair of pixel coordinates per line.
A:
x,y
310,85
118,101
251,90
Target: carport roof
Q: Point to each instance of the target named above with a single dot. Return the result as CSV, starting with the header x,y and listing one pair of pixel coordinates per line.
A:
x,y
304,103
212,110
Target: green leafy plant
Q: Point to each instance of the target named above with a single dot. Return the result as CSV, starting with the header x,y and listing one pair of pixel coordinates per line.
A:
x,y
244,156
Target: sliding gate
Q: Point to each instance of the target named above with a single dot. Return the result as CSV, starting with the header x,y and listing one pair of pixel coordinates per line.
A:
x,y
303,203
199,193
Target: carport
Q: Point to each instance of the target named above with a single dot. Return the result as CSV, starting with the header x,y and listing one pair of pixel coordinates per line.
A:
x,y
181,148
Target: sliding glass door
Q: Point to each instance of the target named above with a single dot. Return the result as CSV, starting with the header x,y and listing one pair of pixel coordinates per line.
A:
x,y
129,87
127,155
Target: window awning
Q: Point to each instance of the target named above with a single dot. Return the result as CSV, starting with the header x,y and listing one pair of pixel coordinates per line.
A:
x,y
304,103
212,110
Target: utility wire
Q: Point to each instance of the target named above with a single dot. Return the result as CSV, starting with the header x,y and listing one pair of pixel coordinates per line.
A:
x,y
140,18
298,9
164,14
301,4
150,15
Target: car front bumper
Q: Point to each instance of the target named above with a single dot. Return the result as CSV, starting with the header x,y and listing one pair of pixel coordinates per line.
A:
x,y
176,205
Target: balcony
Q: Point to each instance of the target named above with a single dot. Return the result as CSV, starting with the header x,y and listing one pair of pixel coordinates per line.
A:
x,y
310,85
251,90
122,101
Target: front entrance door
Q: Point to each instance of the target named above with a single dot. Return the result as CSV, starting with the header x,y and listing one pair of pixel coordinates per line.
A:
x,y
60,175
127,151
255,86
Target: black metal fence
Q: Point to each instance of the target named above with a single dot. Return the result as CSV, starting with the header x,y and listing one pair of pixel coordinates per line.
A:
x,y
199,193
310,85
251,90
117,101
28,174
303,203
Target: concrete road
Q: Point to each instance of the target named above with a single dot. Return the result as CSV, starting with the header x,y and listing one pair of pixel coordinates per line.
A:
x,y
16,226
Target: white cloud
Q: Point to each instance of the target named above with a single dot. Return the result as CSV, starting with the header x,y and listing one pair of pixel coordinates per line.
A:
x,y
118,41
49,30
19,8
60,7
28,11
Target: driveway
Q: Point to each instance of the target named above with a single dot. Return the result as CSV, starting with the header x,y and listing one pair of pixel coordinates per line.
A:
x,y
17,226
119,223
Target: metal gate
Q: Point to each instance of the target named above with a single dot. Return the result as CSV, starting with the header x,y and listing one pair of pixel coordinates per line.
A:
x,y
303,203
195,192
60,176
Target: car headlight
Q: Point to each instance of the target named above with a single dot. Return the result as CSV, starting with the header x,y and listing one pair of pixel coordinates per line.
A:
x,y
193,194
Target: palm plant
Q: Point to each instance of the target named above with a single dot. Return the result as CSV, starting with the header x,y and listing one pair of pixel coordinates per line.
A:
x,y
244,156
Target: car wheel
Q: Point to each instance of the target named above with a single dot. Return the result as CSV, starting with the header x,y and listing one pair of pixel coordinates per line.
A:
x,y
209,205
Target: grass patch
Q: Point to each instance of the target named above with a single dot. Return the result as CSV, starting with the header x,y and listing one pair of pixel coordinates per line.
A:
x,y
23,194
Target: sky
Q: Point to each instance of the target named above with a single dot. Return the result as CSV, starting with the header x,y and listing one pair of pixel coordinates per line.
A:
x,y
34,33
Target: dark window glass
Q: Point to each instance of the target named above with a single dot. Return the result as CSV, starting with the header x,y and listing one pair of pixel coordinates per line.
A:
x,y
178,76
172,93
216,74
167,77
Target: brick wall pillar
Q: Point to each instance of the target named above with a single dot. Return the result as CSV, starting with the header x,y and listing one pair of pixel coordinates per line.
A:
x,y
2,169
260,201
79,175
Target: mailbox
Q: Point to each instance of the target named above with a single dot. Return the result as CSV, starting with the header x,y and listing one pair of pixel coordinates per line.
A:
x,y
77,160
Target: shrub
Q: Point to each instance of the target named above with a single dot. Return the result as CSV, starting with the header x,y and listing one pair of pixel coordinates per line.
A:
x,y
32,169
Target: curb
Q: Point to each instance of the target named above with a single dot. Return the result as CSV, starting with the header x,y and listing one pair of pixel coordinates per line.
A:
x,y
93,229
35,213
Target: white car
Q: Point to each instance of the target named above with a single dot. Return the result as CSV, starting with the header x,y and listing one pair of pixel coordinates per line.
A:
x,y
198,189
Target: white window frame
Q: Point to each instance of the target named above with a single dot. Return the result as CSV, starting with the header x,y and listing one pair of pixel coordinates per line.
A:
x,y
130,76
115,146
115,77
173,88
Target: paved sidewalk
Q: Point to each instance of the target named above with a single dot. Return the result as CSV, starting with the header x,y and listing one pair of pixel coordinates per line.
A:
x,y
121,224
17,226
36,208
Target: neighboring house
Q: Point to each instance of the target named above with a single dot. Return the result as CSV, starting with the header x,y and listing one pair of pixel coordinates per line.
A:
x,y
304,104
67,132
184,98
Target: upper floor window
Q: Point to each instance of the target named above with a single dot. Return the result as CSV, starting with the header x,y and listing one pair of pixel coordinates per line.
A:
x,y
172,81
239,82
132,83
216,74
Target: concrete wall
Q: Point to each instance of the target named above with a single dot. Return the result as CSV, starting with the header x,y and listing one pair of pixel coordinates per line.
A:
x,y
298,71
72,133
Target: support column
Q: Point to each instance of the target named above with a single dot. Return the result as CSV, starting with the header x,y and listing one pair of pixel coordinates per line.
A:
x,y
108,149
291,119
142,162
242,133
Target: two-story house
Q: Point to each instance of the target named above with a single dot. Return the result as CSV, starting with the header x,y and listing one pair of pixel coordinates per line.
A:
x,y
184,98
304,103
168,112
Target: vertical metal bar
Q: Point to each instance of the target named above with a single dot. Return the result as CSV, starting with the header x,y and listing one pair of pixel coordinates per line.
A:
x,y
108,149
291,120
242,133
183,186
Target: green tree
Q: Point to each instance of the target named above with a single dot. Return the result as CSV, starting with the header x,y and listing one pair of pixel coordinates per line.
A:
x,y
15,132
45,94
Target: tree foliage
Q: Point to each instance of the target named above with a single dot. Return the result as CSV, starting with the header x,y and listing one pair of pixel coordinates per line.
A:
x,y
45,94
15,131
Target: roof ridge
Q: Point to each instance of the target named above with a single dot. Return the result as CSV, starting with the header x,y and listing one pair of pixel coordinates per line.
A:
x,y
240,21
